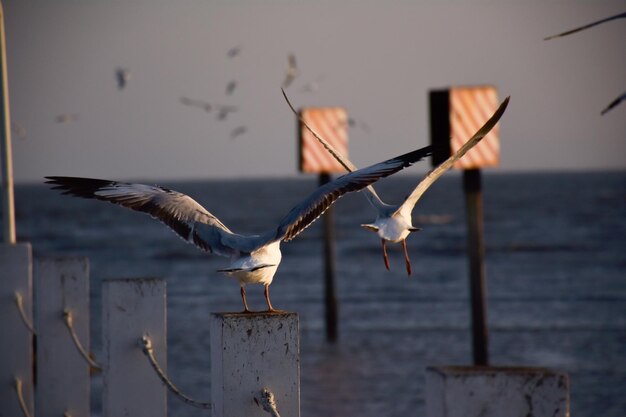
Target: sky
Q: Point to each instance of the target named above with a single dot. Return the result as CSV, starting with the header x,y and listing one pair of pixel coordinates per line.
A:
x,y
377,59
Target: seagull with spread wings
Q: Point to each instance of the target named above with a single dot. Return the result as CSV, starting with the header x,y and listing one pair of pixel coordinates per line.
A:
x,y
254,259
393,222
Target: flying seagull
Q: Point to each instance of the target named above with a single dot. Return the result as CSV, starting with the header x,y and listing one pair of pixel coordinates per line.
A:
x,y
254,259
614,103
292,71
238,131
587,26
207,107
122,75
393,222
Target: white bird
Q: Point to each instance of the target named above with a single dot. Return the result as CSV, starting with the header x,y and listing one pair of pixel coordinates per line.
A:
x,y
254,259
393,222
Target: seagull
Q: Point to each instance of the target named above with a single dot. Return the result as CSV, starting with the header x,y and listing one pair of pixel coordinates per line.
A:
x,y
254,259
122,75
393,222
207,107
224,110
587,26
230,87
614,103
238,131
66,117
234,51
292,71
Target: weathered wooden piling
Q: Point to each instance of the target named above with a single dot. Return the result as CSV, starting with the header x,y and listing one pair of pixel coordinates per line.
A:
x,y
16,342
63,373
481,391
131,309
250,353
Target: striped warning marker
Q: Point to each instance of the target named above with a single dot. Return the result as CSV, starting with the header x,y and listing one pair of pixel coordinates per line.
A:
x,y
331,123
470,108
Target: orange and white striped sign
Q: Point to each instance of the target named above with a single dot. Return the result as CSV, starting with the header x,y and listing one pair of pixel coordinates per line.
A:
x,y
331,123
470,108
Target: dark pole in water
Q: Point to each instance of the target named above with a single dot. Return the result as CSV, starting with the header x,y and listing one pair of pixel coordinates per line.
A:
x,y
475,246
6,158
330,294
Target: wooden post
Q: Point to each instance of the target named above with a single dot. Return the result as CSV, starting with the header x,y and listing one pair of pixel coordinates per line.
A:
x,y
63,374
250,352
6,157
16,341
477,391
476,250
132,308
330,293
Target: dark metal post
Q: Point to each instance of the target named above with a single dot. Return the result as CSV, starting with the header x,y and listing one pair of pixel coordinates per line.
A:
x,y
476,250
330,295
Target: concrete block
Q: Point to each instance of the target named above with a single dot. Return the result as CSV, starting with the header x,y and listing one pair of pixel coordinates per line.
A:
x,y
469,391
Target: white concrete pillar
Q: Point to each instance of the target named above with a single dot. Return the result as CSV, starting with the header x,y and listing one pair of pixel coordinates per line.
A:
x,y
469,391
132,308
16,340
63,379
252,352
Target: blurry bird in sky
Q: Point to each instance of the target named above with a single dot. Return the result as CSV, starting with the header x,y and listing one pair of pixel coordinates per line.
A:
x,y
224,110
238,131
207,107
230,87
292,71
394,222
234,51
254,259
122,75
66,118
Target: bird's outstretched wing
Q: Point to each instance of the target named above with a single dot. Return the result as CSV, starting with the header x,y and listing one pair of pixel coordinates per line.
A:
x,y
370,193
587,26
176,210
614,103
407,207
307,211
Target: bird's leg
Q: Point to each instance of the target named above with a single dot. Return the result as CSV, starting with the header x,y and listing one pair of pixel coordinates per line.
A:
x,y
407,261
245,304
385,254
266,292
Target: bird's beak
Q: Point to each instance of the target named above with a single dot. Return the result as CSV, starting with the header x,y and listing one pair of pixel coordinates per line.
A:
x,y
370,227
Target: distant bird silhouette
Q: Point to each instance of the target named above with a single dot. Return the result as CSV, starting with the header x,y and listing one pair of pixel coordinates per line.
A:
x,y
254,259
122,75
207,107
230,87
238,131
292,71
66,118
224,110
578,29
358,123
393,222
234,51
614,103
